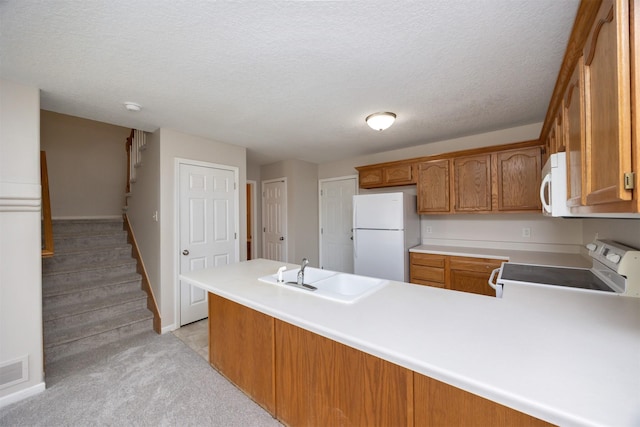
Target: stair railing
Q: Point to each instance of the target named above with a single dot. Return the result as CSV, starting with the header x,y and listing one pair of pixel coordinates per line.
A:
x,y
47,224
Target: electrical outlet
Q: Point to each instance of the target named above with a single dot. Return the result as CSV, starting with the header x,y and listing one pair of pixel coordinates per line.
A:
x,y
427,229
526,232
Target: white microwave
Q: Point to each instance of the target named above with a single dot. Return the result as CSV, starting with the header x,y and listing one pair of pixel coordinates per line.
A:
x,y
553,190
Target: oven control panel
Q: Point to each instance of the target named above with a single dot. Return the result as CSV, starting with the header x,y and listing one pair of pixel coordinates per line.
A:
x,y
608,252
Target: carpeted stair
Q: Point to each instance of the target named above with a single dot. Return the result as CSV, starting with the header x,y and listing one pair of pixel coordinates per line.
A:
x,y
91,293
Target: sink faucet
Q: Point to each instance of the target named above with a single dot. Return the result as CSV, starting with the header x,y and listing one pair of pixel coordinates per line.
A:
x,y
300,280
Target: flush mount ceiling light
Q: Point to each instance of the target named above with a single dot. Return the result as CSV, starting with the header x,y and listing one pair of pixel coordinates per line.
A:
x,y
132,106
380,121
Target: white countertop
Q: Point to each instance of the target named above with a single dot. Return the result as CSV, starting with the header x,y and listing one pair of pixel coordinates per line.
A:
x,y
568,357
525,257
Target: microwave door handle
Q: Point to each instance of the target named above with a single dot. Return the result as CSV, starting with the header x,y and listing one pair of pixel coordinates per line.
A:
x,y
546,183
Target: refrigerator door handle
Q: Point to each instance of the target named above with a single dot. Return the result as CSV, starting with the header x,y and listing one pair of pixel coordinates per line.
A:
x,y
355,244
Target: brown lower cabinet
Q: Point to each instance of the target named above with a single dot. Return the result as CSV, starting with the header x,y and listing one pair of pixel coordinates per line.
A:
x,y
304,379
466,274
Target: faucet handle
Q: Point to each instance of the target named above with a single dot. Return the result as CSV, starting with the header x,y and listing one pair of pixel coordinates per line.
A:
x,y
280,271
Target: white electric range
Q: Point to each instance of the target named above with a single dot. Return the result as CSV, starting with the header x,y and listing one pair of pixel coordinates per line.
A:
x,y
615,270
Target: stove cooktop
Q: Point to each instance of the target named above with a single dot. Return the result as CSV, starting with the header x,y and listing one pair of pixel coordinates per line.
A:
x,y
581,278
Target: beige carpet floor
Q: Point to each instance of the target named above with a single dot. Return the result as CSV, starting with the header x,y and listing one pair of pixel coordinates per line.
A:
x,y
147,380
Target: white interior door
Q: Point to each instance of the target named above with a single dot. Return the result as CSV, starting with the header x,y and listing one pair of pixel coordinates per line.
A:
x,y
274,220
336,224
208,235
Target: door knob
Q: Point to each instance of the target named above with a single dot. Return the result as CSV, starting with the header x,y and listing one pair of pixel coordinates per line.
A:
x,y
281,238
185,252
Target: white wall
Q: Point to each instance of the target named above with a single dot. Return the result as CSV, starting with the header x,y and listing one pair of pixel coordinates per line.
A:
x,y
505,136
253,174
302,207
174,145
20,251
625,231
87,164
503,231
142,205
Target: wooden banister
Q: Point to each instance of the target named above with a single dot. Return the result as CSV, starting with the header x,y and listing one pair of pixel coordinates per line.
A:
x,y
47,224
128,148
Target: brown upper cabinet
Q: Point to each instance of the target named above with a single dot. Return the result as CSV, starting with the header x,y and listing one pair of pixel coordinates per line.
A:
x,y
502,178
472,183
433,188
518,174
607,105
594,96
387,174
573,112
506,180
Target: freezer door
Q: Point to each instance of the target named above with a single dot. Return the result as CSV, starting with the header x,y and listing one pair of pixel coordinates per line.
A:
x,y
379,211
380,253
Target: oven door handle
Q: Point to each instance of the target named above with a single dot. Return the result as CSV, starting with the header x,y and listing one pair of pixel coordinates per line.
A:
x,y
492,283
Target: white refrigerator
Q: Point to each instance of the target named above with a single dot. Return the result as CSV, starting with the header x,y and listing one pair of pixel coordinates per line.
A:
x,y
385,226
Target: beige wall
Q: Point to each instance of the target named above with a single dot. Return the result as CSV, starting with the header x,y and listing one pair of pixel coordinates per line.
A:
x,y
175,145
87,165
20,252
302,207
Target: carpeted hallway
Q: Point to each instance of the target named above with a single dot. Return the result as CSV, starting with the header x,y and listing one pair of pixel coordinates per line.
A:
x,y
148,379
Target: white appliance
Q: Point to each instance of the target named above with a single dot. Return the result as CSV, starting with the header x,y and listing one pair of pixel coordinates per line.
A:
x,y
553,190
385,226
615,270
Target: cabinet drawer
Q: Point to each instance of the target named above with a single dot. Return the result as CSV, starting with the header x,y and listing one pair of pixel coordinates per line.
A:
x,y
428,260
429,274
427,283
479,265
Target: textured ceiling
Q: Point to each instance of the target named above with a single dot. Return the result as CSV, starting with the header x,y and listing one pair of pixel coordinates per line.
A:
x,y
292,79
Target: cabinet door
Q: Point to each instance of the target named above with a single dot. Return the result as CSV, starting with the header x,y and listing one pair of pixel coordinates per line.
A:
x,y
433,187
472,189
518,175
241,348
573,105
398,174
608,105
472,275
370,178
324,383
439,404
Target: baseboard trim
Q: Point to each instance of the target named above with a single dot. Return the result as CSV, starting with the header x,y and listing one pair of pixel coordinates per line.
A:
x,y
22,394
81,217
152,305
169,328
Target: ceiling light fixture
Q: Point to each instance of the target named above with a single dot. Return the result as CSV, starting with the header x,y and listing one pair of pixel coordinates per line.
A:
x,y
132,106
380,121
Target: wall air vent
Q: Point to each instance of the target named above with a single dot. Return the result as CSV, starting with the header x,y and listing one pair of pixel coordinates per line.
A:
x,y
14,372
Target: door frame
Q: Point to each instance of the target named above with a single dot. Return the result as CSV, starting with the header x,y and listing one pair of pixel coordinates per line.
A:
x,y
254,216
284,215
320,182
176,223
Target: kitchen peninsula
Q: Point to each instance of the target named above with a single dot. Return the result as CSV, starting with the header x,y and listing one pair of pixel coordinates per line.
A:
x,y
568,358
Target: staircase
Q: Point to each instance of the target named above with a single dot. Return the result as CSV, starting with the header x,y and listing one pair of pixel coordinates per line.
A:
x,y
91,292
